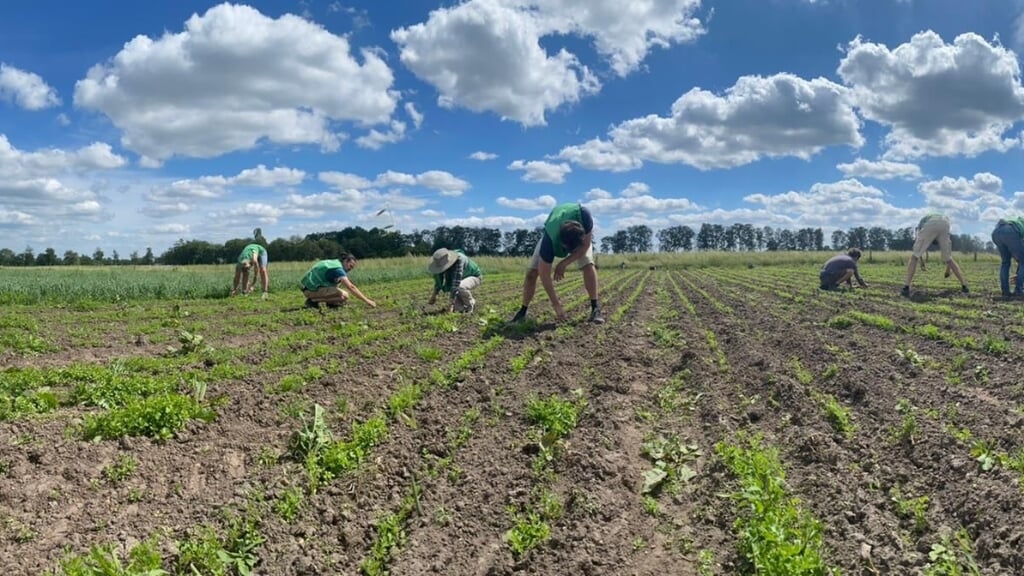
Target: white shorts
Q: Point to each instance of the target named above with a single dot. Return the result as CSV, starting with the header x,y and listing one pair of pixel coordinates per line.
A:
x,y
936,228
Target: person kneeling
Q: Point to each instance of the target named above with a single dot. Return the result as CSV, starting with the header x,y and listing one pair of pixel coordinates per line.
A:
x,y
841,268
322,283
455,273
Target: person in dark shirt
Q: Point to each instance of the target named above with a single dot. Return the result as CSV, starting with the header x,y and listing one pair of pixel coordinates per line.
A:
x,y
841,268
568,234
1008,237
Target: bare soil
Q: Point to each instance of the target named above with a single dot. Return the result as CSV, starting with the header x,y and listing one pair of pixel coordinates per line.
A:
x,y
54,497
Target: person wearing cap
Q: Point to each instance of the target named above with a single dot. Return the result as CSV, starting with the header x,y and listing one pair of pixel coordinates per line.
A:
x,y
456,274
568,234
934,226
841,268
322,283
252,256
1008,237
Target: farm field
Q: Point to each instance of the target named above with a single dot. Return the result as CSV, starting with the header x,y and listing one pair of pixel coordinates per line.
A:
x,y
724,420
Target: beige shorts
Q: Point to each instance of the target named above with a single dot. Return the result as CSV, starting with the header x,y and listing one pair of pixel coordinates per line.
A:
x,y
328,294
936,228
586,260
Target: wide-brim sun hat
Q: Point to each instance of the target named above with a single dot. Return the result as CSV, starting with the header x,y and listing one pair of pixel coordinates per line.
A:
x,y
442,260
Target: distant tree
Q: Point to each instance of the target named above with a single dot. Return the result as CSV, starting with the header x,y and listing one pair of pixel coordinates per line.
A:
x,y
639,238
521,242
97,256
115,258
675,238
706,238
787,240
857,237
902,239
819,239
148,259
839,240
771,239
48,257
878,238
71,258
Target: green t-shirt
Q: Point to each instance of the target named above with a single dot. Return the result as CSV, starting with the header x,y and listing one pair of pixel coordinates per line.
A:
x,y
928,217
448,281
560,215
249,251
321,275
1018,223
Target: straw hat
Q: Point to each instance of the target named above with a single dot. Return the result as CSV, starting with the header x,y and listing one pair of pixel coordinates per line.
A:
x,y
442,260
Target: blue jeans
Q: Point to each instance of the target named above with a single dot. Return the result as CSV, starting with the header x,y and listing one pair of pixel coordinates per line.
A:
x,y
1007,239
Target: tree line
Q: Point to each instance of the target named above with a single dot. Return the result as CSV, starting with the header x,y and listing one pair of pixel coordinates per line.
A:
x,y
382,243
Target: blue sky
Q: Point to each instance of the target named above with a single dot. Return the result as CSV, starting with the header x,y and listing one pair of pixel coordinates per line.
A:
x,y
142,123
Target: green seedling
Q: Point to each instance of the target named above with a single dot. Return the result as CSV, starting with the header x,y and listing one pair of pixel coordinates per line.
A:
x,y
915,509
776,535
121,470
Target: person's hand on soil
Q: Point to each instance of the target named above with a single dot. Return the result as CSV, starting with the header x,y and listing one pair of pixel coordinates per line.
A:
x,y
371,303
451,307
559,313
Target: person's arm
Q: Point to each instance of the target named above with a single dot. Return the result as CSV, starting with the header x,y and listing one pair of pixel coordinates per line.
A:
x,y
236,281
544,271
352,288
254,266
856,274
438,285
575,255
456,276
587,221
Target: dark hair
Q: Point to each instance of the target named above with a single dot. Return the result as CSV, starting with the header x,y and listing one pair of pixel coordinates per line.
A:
x,y
854,253
571,234
345,257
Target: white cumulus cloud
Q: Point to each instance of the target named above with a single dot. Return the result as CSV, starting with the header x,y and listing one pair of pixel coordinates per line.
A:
x,y
774,116
880,169
26,89
938,99
544,202
541,171
233,77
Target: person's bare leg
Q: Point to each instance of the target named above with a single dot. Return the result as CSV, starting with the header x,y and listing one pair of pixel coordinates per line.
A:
x,y
846,277
590,280
529,287
955,269
911,268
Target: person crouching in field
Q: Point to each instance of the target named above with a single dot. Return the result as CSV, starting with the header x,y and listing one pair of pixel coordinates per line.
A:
x,y
841,268
568,234
252,256
324,280
456,274
1008,237
933,227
